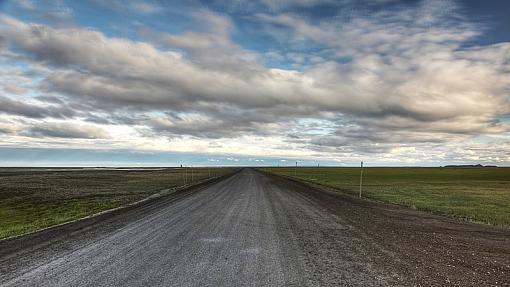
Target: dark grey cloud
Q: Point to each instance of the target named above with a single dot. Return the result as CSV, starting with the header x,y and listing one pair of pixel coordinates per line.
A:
x,y
66,130
219,123
12,107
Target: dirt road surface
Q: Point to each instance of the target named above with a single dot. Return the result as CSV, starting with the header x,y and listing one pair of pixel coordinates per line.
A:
x,y
254,229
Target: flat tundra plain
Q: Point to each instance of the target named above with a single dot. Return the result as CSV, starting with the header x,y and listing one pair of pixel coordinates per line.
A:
x,y
257,229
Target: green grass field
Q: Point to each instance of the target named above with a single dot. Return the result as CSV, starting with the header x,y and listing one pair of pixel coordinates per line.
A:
x,y
476,194
31,200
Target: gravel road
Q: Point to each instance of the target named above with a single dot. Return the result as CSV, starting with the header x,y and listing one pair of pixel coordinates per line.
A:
x,y
249,229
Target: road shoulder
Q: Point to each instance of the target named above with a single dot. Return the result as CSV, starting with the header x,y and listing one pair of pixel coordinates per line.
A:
x,y
432,250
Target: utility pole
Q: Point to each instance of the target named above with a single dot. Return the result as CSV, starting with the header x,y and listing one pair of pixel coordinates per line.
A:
x,y
295,170
192,174
209,172
361,179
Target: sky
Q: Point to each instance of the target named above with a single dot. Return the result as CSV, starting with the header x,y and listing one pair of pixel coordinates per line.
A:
x,y
160,83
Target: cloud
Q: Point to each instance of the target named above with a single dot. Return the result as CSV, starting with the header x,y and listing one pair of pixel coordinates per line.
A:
x,y
14,81
130,6
26,4
56,12
8,127
145,8
281,5
221,123
66,130
13,107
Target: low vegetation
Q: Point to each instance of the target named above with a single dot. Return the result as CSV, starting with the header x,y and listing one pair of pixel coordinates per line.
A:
x,y
476,194
37,198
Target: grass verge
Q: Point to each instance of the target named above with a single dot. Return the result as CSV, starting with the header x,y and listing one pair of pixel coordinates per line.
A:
x,y
475,194
32,199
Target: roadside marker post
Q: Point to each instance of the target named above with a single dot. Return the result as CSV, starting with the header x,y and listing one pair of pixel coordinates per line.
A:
x,y
183,178
361,179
